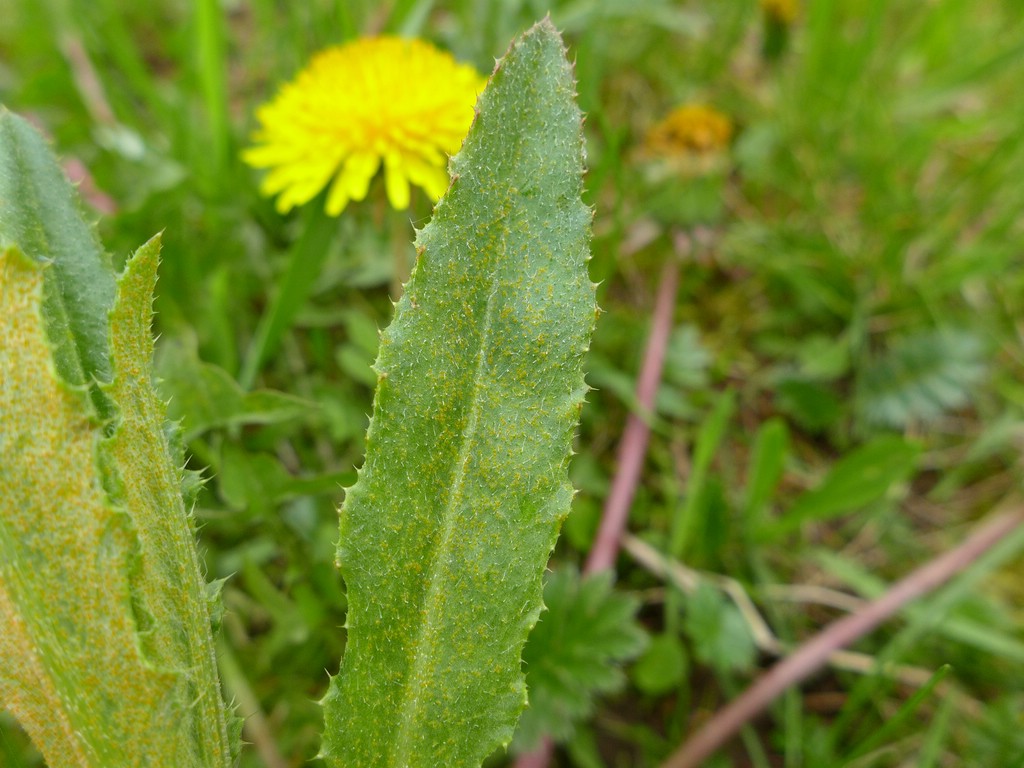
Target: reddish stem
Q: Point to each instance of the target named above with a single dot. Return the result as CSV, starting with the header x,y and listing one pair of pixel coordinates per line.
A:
x,y
813,654
633,446
539,758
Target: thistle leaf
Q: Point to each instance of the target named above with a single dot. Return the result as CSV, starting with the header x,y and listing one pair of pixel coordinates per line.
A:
x,y
445,535
574,654
106,654
41,215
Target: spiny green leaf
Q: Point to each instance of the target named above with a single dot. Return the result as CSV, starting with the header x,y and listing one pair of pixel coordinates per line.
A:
x,y
143,477
43,418
41,215
71,617
446,533
573,653
106,655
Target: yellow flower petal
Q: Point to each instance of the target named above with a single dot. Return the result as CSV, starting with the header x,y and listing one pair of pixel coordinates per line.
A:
x,y
396,183
430,177
389,101
337,197
359,169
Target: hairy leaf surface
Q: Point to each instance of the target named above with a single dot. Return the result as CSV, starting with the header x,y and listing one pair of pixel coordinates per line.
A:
x,y
106,654
41,215
446,533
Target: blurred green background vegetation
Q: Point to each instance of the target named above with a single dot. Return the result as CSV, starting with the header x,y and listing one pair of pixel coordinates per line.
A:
x,y
844,392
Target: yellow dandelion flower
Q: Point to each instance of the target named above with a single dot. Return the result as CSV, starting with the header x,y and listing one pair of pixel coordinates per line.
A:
x,y
781,11
690,129
377,101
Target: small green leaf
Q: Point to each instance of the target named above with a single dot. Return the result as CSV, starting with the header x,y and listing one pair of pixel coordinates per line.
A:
x,y
203,396
812,404
686,371
445,536
663,666
257,481
574,652
357,364
687,359
921,377
720,635
583,749
355,358
824,357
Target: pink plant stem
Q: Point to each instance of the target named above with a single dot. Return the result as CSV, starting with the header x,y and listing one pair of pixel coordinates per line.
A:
x,y
632,450
633,446
813,654
540,757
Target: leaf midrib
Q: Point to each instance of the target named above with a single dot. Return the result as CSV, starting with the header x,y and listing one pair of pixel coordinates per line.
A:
x,y
410,701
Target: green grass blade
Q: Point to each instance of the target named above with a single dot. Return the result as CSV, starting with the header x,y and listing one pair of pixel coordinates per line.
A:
x,y
446,533
304,265
768,457
861,478
211,55
892,724
712,431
